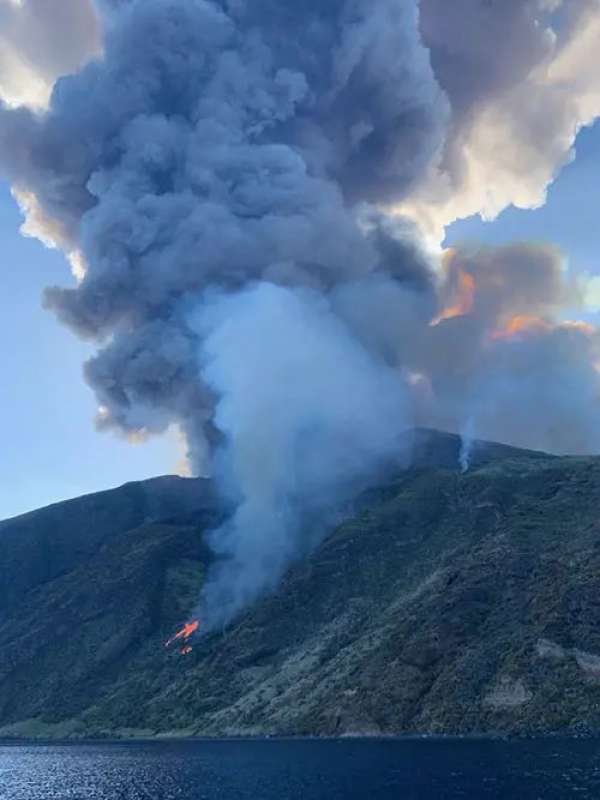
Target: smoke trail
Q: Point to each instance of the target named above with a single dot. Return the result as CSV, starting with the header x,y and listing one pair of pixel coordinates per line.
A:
x,y
466,446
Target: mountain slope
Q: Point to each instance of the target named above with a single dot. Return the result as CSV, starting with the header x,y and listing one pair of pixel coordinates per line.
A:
x,y
39,546
450,603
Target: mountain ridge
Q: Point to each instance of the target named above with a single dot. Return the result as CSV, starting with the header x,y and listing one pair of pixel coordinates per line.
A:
x,y
448,603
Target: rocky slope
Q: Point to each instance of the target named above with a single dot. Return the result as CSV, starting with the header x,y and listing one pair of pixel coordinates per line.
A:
x,y
447,603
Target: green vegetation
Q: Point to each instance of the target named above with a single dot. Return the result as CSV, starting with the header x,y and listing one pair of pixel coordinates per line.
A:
x,y
450,603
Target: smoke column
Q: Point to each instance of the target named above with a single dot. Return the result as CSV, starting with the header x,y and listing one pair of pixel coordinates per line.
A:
x,y
226,179
466,447
308,415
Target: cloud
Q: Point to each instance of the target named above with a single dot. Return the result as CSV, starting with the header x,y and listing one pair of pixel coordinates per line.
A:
x,y
521,81
510,366
39,42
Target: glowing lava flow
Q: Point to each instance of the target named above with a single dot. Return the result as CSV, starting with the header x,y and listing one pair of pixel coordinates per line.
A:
x,y
184,635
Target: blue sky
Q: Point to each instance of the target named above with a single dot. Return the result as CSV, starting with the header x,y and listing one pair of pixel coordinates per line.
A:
x,y
569,218
50,449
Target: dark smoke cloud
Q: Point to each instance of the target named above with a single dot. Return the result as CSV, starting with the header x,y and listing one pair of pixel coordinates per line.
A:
x,y
480,49
497,358
511,368
170,164
224,145
218,179
516,279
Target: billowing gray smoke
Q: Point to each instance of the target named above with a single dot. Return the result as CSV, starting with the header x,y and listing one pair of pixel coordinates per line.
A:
x,y
218,178
205,171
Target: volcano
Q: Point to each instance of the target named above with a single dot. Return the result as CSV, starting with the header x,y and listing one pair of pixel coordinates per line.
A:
x,y
445,602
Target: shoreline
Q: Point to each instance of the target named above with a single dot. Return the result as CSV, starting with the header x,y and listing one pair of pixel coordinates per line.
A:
x,y
409,737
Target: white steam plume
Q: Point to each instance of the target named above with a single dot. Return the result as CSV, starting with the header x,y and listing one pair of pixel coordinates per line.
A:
x,y
308,416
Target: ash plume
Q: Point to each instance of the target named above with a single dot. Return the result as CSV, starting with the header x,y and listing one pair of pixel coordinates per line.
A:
x,y
222,178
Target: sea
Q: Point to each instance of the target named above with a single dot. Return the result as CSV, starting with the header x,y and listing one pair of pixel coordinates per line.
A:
x,y
389,769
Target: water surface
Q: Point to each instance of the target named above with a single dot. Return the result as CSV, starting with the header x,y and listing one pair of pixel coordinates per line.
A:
x,y
306,770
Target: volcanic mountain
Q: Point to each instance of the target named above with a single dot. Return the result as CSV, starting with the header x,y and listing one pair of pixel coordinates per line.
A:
x,y
446,602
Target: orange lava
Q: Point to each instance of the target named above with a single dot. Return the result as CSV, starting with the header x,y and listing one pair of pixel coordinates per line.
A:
x,y
188,630
465,299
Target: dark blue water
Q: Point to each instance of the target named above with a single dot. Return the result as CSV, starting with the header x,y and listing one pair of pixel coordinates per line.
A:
x,y
307,770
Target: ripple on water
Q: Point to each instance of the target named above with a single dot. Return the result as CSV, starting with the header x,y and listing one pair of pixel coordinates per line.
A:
x,y
306,770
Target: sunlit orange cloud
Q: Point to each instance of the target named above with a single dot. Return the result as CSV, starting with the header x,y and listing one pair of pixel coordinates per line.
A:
x,y
521,324
464,300
578,325
185,633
